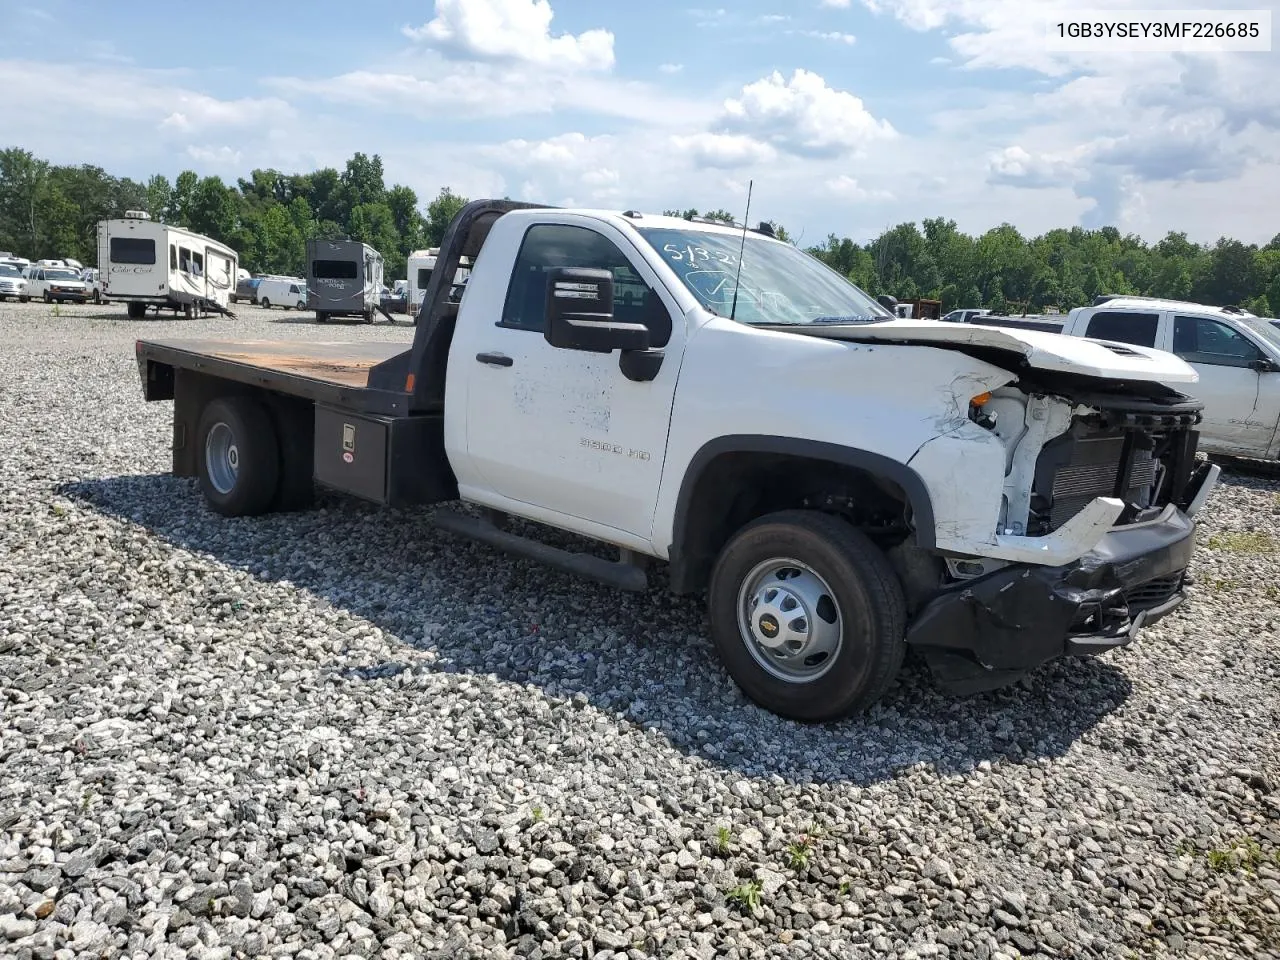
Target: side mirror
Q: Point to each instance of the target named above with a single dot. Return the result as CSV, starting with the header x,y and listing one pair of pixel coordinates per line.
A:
x,y
1265,365
580,313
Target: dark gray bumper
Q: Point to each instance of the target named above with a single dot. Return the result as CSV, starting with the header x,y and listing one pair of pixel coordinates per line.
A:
x,y
984,633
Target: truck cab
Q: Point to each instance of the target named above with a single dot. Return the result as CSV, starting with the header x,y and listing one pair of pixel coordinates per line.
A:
x,y
839,483
1236,357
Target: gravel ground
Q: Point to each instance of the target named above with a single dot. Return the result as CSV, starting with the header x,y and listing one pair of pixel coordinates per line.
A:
x,y
341,734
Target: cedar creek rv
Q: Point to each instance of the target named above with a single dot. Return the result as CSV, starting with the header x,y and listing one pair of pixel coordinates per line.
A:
x,y
344,279
150,264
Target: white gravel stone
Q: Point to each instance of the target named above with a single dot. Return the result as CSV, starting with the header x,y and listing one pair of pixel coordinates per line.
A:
x,y
342,733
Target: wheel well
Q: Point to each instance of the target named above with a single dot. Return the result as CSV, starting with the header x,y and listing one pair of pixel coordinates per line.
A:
x,y
193,391
730,489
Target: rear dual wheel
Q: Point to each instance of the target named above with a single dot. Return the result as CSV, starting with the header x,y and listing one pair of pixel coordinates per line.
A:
x,y
807,615
251,459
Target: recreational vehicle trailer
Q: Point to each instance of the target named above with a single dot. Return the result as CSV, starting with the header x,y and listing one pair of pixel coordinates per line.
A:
x,y
344,279
421,263
149,264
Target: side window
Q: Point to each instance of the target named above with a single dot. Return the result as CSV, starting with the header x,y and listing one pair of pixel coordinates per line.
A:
x,y
184,259
547,246
1201,340
197,264
173,257
1136,328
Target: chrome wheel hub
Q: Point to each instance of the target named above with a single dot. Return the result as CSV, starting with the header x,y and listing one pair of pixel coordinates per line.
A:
x,y
222,458
789,620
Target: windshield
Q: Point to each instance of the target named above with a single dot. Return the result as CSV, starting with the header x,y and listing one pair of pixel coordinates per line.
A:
x,y
9,271
61,275
779,285
1265,328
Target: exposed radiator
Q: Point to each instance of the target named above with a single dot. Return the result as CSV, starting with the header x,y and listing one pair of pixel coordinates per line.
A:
x,y
1093,471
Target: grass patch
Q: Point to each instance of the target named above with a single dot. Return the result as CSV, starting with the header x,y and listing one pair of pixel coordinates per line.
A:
x,y
1244,541
799,853
745,896
722,839
1244,854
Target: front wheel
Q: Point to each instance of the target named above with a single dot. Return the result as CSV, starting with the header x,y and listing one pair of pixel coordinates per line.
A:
x,y
47,298
266,304
239,456
807,615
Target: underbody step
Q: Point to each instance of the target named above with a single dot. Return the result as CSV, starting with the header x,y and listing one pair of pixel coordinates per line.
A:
x,y
615,573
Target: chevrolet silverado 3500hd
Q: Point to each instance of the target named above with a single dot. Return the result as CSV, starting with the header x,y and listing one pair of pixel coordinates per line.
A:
x,y
841,483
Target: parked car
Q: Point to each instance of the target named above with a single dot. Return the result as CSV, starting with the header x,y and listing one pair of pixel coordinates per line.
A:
x,y
246,289
395,301
56,284
91,276
287,292
965,316
13,285
1236,355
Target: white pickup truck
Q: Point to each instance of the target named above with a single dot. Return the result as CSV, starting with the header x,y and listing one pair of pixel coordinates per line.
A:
x,y
841,483
1236,357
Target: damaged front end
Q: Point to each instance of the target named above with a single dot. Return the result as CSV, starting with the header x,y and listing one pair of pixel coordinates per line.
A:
x,y
1135,454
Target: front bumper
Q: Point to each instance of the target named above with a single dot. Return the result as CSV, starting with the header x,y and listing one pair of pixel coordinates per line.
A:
x,y
985,633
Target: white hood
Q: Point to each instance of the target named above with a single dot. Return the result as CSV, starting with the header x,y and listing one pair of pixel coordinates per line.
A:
x,y
1041,349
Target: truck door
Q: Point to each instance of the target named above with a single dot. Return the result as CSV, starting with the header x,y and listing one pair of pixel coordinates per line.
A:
x,y
1229,385
565,429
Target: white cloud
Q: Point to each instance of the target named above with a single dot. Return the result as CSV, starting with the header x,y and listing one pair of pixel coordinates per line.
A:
x,y
670,67
568,167
512,30
222,156
804,116
723,150
116,93
1017,167
838,4
442,90
847,188
833,35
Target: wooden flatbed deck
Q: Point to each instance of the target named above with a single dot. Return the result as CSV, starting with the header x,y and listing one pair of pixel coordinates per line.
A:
x,y
334,372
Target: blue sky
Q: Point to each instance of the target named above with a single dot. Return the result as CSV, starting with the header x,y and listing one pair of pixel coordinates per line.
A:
x,y
850,115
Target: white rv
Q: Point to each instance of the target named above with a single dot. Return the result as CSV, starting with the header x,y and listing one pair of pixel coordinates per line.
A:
x,y
420,265
149,264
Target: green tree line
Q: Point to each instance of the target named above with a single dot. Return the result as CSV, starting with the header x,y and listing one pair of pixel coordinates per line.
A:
x,y
53,211
1064,268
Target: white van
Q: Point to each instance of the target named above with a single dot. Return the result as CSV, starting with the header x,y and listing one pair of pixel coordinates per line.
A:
x,y
287,292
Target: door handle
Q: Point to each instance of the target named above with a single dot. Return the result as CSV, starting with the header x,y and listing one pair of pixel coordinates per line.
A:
x,y
495,359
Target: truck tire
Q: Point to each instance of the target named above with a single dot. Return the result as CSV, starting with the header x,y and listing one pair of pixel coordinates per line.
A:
x,y
136,310
807,615
238,456
266,303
